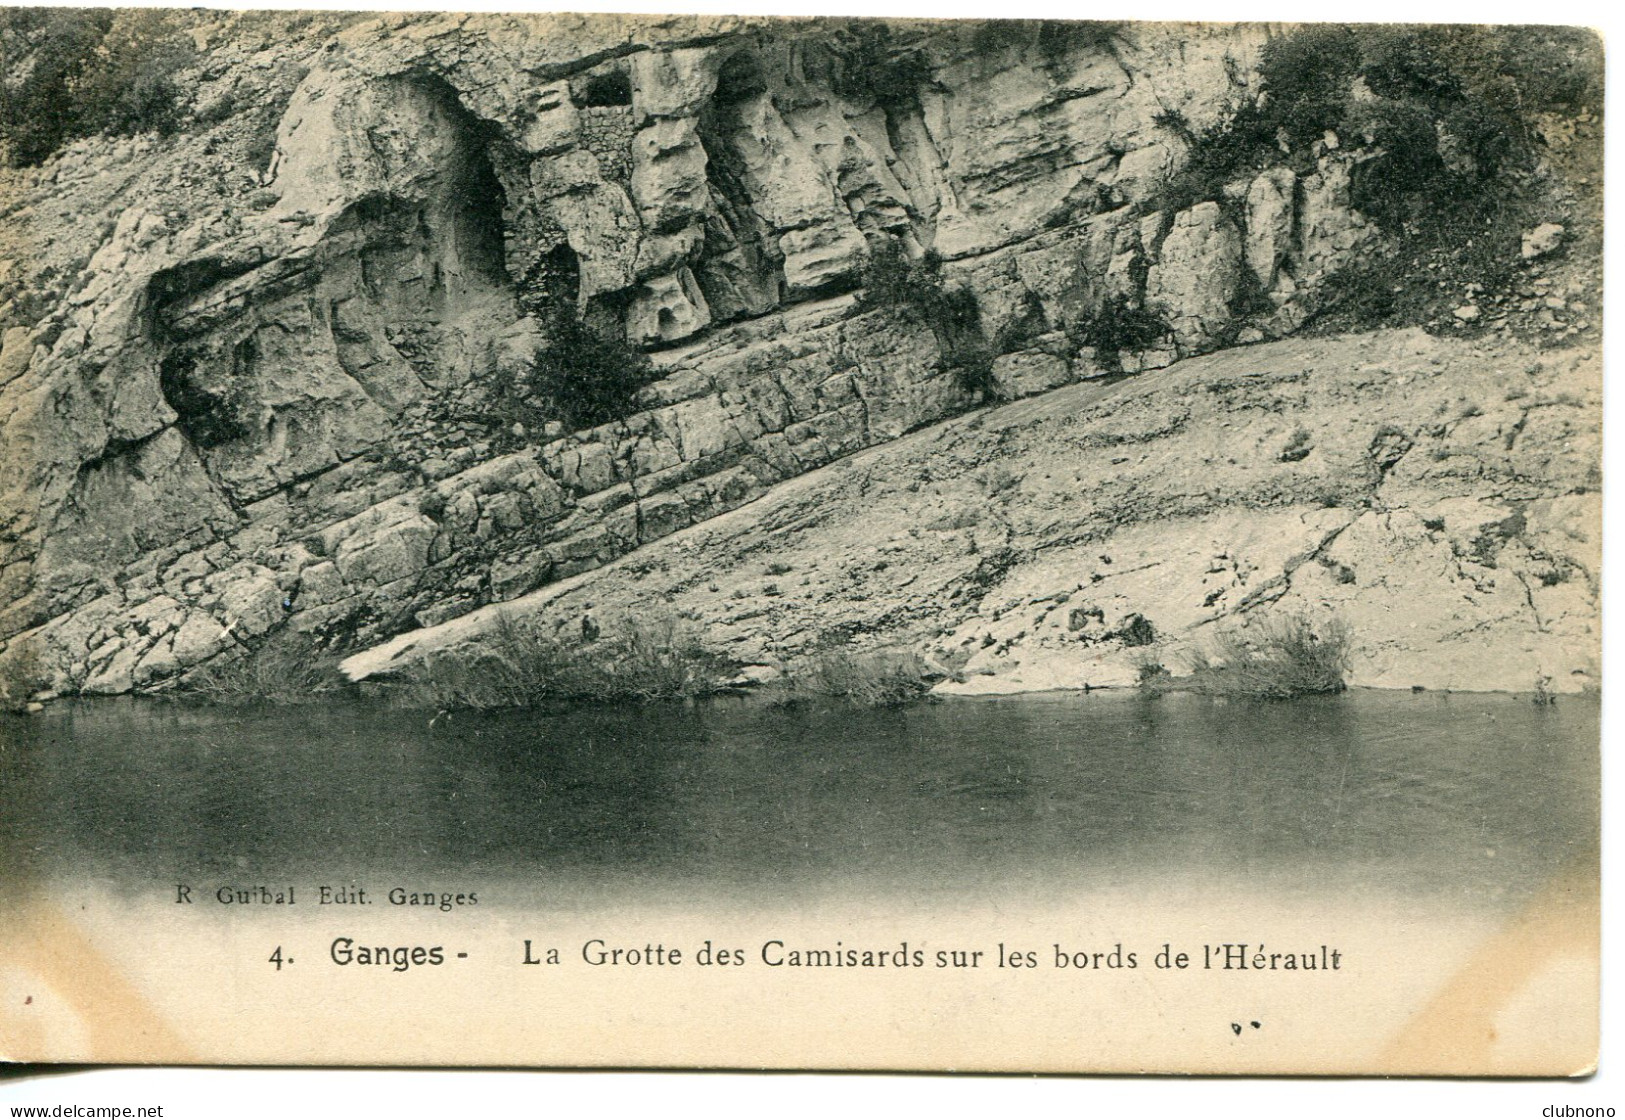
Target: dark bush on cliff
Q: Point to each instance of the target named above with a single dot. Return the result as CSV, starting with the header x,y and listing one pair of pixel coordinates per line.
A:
x,y
1445,130
587,378
954,315
37,112
1441,111
872,65
1120,325
132,87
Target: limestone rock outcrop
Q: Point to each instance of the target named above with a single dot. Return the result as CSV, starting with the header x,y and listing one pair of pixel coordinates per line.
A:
x,y
266,375
1075,539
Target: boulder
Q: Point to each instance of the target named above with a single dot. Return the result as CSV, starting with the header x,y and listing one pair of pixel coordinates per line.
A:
x,y
1270,207
1194,280
667,309
1542,240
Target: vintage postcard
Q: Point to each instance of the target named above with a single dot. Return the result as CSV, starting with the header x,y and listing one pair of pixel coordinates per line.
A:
x,y
741,542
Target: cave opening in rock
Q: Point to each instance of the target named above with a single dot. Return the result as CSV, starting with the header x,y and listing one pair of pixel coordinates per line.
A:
x,y
606,91
739,79
209,414
552,283
408,271
465,215
740,270
425,251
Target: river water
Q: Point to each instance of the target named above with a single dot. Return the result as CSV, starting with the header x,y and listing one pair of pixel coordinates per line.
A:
x,y
1065,877
1478,799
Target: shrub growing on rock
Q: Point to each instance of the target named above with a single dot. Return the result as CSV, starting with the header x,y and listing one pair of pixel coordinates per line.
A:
x,y
519,663
1275,659
286,669
890,279
37,113
587,378
132,87
1442,123
1136,631
954,315
885,678
1121,325
1412,96
872,65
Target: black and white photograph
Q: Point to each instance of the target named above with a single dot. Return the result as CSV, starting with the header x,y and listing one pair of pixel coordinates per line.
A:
x,y
807,543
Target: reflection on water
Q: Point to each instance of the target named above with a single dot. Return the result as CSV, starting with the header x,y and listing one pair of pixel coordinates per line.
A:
x,y
1477,797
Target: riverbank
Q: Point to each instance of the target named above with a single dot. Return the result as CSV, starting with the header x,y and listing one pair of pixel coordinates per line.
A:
x,y
1439,497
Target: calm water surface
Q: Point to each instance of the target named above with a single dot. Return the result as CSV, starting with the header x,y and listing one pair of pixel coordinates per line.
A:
x,y
1471,797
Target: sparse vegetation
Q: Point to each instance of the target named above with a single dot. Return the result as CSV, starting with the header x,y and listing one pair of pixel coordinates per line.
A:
x,y
1059,38
1373,291
1298,446
519,663
432,504
891,279
1056,41
1136,631
1023,328
1342,573
1272,659
524,663
998,477
1152,675
960,517
873,65
286,669
260,145
507,398
973,372
1440,116
885,678
1446,122
1250,298
1119,325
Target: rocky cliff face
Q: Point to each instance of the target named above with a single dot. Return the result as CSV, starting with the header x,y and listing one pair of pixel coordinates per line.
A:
x,y
239,400
1439,497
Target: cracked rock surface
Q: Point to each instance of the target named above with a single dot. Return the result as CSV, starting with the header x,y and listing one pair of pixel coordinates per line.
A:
x,y
1446,505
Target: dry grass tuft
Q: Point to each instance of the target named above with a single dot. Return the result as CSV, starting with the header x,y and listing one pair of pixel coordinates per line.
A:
x,y
1277,658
